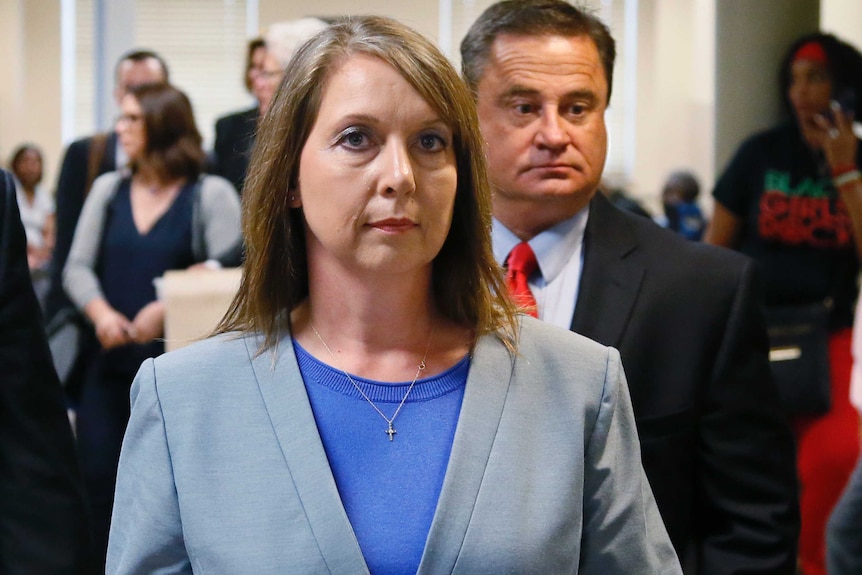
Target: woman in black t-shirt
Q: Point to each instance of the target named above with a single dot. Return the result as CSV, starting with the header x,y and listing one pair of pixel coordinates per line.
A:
x,y
791,198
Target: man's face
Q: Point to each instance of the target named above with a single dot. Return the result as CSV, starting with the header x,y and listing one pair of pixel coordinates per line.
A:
x,y
541,104
136,73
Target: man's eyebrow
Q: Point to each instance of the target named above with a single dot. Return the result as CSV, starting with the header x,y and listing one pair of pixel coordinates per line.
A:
x,y
519,91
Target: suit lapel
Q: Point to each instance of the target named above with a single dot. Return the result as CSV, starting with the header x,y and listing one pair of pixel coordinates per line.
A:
x,y
611,276
481,410
284,394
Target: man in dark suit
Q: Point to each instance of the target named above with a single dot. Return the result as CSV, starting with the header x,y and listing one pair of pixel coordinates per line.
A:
x,y
234,138
88,158
686,318
42,516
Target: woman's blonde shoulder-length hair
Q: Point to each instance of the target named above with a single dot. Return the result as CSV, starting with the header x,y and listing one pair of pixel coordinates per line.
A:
x,y
467,283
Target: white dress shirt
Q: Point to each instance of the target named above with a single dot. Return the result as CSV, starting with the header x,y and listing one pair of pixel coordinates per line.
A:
x,y
559,251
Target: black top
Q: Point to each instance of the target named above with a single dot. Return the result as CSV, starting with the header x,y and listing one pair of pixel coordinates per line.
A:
x,y
235,135
129,261
794,222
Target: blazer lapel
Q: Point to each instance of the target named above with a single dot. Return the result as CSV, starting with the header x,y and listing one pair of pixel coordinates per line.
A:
x,y
283,392
481,410
611,276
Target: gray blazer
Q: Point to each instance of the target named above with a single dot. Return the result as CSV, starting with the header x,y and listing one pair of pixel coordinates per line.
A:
x,y
222,469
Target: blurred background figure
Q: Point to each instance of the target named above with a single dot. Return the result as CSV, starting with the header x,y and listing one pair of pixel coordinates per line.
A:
x,y
282,39
679,201
622,200
234,133
791,198
42,511
844,530
266,60
37,211
90,157
135,225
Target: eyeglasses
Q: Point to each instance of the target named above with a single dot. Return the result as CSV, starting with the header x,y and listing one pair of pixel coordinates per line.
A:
x,y
130,118
266,74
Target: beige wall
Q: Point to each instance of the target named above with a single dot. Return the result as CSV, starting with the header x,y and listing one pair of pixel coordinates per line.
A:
x,y
420,14
701,87
842,18
675,97
30,68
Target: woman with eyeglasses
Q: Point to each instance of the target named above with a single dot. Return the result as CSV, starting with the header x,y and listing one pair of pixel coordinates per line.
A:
x,y
159,214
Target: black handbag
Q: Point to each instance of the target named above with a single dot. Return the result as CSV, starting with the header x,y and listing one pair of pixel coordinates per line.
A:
x,y
67,337
799,357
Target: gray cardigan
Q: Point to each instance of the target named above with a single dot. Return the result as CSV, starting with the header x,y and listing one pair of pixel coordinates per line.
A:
x,y
215,231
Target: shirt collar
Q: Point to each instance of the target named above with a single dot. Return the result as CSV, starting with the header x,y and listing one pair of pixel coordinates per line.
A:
x,y
553,247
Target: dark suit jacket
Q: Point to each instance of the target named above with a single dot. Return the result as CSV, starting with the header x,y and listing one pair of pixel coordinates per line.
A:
x,y
42,517
71,192
687,319
233,142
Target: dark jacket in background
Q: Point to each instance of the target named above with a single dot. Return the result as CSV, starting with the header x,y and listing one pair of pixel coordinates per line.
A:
x,y
43,526
233,142
85,160
687,319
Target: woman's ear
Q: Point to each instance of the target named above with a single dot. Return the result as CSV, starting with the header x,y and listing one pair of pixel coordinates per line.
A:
x,y
294,200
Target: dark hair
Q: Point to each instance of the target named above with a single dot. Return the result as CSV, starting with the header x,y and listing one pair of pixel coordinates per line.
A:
x,y
141,56
19,153
467,283
173,144
532,18
253,46
843,62
684,183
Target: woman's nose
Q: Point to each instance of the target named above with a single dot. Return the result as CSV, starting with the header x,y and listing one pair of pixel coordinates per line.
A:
x,y
397,168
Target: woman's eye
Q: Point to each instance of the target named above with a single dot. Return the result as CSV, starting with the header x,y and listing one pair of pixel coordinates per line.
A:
x,y
354,139
432,143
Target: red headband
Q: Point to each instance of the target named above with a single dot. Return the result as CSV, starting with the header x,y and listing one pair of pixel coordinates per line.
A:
x,y
811,51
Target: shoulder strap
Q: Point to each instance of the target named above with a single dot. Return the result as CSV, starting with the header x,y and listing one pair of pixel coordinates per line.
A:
x,y
199,243
98,145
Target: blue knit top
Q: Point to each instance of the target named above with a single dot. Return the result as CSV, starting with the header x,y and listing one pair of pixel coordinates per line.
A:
x,y
389,489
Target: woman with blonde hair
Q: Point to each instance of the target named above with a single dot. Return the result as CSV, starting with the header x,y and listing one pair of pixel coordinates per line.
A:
x,y
372,402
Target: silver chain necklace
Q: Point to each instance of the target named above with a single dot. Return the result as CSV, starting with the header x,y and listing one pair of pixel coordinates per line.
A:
x,y
390,431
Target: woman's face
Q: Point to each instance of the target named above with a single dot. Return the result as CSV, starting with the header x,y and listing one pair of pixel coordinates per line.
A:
x,y
266,81
377,175
257,58
809,92
130,128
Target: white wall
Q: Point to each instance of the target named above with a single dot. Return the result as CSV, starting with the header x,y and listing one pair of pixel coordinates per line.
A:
x,y
30,69
706,74
675,98
842,18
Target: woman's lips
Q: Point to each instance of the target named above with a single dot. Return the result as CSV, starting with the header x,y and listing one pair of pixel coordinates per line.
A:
x,y
393,225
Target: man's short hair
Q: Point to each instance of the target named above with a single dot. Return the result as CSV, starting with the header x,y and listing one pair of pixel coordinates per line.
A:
x,y
532,18
141,56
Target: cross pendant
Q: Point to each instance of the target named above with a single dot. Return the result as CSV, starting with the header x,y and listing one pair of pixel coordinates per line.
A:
x,y
391,432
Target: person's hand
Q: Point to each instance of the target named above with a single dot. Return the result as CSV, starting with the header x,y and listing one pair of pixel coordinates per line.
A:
x,y
149,323
113,329
37,257
208,265
839,143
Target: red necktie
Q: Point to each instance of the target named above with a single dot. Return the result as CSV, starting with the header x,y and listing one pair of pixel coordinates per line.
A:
x,y
520,265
